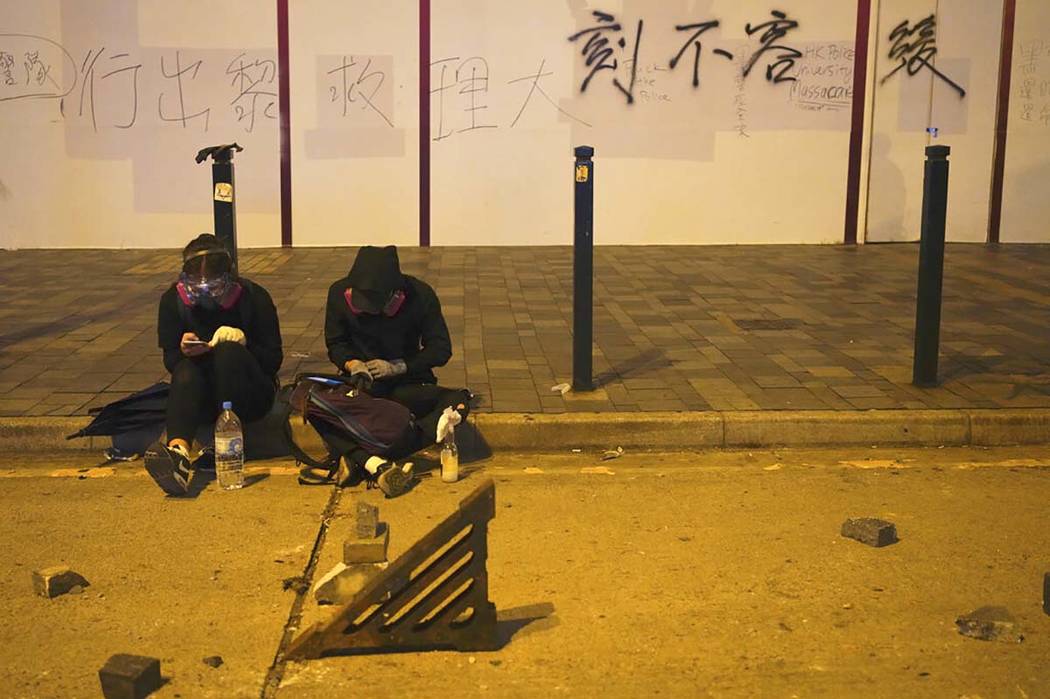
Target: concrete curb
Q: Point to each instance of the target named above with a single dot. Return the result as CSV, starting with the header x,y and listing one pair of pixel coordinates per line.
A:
x,y
531,432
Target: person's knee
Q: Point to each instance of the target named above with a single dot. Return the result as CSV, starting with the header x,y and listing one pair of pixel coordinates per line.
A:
x,y
228,354
187,373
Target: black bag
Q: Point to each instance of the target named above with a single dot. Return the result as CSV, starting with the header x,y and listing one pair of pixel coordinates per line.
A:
x,y
345,417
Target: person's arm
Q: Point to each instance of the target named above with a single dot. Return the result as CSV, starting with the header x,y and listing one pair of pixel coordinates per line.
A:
x,y
264,341
336,333
169,330
434,339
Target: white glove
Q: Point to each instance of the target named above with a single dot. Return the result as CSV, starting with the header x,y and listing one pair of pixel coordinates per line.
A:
x,y
227,334
447,423
382,369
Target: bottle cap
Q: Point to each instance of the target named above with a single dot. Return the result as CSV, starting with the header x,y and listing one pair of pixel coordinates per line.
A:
x,y
227,405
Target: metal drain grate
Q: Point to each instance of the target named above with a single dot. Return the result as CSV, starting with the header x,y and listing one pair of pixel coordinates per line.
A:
x,y
434,596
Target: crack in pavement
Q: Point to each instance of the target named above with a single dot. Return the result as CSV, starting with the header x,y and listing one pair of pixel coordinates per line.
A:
x,y
276,672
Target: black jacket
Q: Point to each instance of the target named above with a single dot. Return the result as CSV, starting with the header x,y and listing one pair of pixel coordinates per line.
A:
x,y
254,313
418,333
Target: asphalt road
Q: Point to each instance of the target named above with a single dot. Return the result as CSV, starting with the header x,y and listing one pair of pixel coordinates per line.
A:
x,y
719,574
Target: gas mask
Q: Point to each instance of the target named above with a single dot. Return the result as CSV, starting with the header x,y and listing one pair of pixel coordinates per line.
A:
x,y
206,280
387,303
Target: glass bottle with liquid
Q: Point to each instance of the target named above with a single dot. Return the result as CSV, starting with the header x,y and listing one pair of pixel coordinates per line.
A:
x,y
450,459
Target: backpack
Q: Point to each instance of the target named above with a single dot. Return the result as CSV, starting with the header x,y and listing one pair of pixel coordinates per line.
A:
x,y
346,418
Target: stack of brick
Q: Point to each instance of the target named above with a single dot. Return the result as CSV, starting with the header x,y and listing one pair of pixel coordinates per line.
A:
x,y
364,555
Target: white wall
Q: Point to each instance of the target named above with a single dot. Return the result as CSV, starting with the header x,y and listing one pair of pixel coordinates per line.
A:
x,y
1026,206
679,165
355,130
968,35
729,161
88,160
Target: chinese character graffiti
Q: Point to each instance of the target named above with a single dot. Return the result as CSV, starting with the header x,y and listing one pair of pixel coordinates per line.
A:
x,y
7,65
253,96
37,71
471,76
358,85
772,31
914,47
599,51
694,41
534,87
117,66
181,75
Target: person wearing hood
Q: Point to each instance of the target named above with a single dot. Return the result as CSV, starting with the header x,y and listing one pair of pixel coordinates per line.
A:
x,y
221,342
386,328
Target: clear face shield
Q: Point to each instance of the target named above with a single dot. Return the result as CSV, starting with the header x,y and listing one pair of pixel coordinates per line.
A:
x,y
206,275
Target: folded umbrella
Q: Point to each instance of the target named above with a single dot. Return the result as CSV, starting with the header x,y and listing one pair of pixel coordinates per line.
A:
x,y
140,409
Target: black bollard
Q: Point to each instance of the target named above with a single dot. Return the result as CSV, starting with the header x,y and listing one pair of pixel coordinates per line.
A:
x,y
223,203
931,267
583,271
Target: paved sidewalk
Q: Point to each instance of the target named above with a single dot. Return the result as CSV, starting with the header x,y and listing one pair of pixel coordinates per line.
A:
x,y
676,328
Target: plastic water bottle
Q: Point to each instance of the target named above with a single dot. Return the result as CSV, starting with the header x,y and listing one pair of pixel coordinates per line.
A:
x,y
450,459
229,449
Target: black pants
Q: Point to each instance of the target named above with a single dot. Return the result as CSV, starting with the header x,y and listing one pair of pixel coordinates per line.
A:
x,y
199,386
426,402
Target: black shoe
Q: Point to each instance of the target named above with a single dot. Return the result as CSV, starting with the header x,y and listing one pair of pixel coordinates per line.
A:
x,y
205,461
170,468
394,479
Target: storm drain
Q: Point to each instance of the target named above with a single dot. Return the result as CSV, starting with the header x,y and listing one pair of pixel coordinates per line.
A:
x,y
434,596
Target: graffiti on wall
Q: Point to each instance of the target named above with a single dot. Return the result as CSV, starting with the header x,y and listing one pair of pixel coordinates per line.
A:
x,y
104,85
913,47
605,47
1033,87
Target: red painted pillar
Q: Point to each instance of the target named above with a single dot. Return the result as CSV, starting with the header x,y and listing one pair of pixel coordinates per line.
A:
x,y
856,132
424,123
284,122
1002,113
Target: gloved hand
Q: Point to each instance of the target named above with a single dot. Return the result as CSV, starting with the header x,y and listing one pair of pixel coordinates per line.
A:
x,y
227,334
356,366
382,369
360,377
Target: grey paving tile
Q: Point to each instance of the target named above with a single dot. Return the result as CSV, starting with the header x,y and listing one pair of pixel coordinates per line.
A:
x,y
735,327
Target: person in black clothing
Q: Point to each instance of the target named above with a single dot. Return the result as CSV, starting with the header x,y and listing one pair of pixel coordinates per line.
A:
x,y
386,329
222,342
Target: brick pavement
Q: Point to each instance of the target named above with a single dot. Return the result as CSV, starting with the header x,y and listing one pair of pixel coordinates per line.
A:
x,y
676,328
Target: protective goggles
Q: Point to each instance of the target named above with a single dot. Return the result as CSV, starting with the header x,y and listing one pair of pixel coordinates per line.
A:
x,y
206,273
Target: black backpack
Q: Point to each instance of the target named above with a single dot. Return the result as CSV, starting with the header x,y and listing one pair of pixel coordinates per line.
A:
x,y
345,417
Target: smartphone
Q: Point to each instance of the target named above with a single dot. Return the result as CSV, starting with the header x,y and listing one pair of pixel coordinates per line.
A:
x,y
325,380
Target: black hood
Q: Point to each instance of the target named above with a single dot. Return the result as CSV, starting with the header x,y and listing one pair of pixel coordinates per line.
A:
x,y
376,272
376,269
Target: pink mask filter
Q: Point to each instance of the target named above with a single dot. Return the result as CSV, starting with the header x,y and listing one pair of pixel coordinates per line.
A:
x,y
221,292
397,300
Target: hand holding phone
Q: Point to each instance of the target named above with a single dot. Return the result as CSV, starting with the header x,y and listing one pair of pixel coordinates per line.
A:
x,y
192,346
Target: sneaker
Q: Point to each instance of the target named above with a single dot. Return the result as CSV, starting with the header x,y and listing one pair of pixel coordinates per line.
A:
x,y
169,467
205,460
394,479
